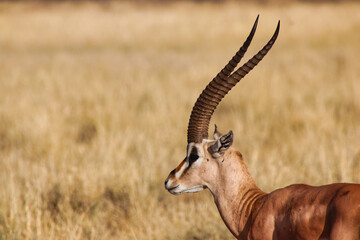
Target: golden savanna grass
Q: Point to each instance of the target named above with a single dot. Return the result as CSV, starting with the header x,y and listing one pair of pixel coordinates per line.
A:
x,y
95,99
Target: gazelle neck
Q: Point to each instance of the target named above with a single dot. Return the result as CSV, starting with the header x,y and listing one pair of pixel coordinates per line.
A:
x,y
235,192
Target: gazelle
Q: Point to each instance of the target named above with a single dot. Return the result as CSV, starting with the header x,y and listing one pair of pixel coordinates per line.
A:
x,y
294,212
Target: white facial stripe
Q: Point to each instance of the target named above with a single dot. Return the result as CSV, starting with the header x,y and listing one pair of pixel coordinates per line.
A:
x,y
190,147
182,169
195,145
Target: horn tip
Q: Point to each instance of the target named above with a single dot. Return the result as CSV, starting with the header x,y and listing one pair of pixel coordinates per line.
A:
x,y
256,20
276,32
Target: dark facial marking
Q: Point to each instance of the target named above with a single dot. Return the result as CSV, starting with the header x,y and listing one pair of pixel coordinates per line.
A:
x,y
193,156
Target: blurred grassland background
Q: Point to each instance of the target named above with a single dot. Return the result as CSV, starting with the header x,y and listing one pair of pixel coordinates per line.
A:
x,y
95,100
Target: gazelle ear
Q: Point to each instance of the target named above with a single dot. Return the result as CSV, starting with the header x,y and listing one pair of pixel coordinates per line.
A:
x,y
216,134
221,145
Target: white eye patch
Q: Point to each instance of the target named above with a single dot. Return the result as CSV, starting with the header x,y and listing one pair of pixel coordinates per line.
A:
x,y
193,155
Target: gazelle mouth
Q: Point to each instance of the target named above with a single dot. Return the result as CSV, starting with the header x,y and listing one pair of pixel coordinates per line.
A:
x,y
172,188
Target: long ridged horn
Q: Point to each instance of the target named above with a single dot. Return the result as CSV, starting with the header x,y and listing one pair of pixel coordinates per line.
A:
x,y
200,112
221,85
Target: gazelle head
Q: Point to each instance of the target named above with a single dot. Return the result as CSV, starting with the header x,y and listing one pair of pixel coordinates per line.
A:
x,y
200,168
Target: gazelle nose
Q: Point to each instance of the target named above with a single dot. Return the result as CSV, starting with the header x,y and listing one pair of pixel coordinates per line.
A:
x,y
166,181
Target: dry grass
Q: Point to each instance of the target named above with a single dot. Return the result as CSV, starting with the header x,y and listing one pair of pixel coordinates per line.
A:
x,y
94,103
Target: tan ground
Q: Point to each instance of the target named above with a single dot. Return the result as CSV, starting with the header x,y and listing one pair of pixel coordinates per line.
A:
x,y
94,103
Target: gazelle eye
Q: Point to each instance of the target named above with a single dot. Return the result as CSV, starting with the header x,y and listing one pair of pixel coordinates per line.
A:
x,y
193,157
